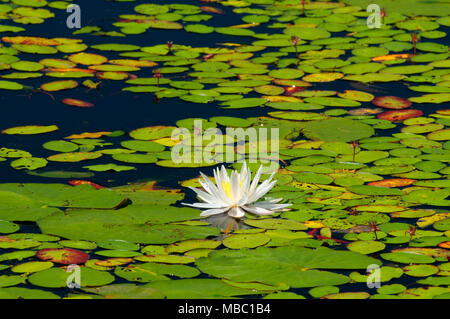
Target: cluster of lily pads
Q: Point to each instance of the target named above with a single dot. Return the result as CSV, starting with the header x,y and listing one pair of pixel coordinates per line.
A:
x,y
360,196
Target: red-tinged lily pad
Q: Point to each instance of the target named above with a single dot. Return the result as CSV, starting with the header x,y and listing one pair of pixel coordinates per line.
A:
x,y
399,115
392,102
293,89
211,9
81,182
77,103
394,182
365,111
65,256
443,112
31,41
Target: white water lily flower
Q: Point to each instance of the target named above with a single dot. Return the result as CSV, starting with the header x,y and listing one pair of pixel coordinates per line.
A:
x,y
235,194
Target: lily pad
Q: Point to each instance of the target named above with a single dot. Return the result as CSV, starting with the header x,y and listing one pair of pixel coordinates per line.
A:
x,y
259,264
366,247
239,241
338,130
65,256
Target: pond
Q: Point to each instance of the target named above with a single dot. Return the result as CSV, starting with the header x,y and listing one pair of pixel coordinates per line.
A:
x,y
118,116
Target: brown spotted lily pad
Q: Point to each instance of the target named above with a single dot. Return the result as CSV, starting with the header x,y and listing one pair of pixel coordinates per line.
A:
x,y
65,256
393,182
399,115
392,102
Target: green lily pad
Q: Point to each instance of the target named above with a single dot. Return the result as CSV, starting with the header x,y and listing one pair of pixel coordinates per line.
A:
x,y
319,292
59,85
239,241
32,266
431,98
167,259
60,146
420,270
366,247
135,158
8,281
30,130
118,253
244,103
259,264
118,244
78,244
276,224
435,281
29,163
109,168
126,291
407,258
199,28
197,289
391,289
76,226
25,293
9,85
191,244
338,130
74,157
58,277
7,227
152,133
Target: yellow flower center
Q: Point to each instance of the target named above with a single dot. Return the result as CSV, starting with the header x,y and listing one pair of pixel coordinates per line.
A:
x,y
227,187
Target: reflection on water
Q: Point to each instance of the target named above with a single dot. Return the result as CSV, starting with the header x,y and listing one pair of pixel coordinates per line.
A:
x,y
226,223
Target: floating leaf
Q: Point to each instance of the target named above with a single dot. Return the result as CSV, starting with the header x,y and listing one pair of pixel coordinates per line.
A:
x,y
58,277
74,157
65,256
400,115
29,163
59,85
407,258
30,130
391,102
260,264
366,247
340,130
32,266
77,103
239,241
87,58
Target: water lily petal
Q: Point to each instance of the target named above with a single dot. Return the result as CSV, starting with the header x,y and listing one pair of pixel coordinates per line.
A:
x,y
258,210
236,212
214,211
204,205
255,181
262,190
270,206
216,191
235,187
204,196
